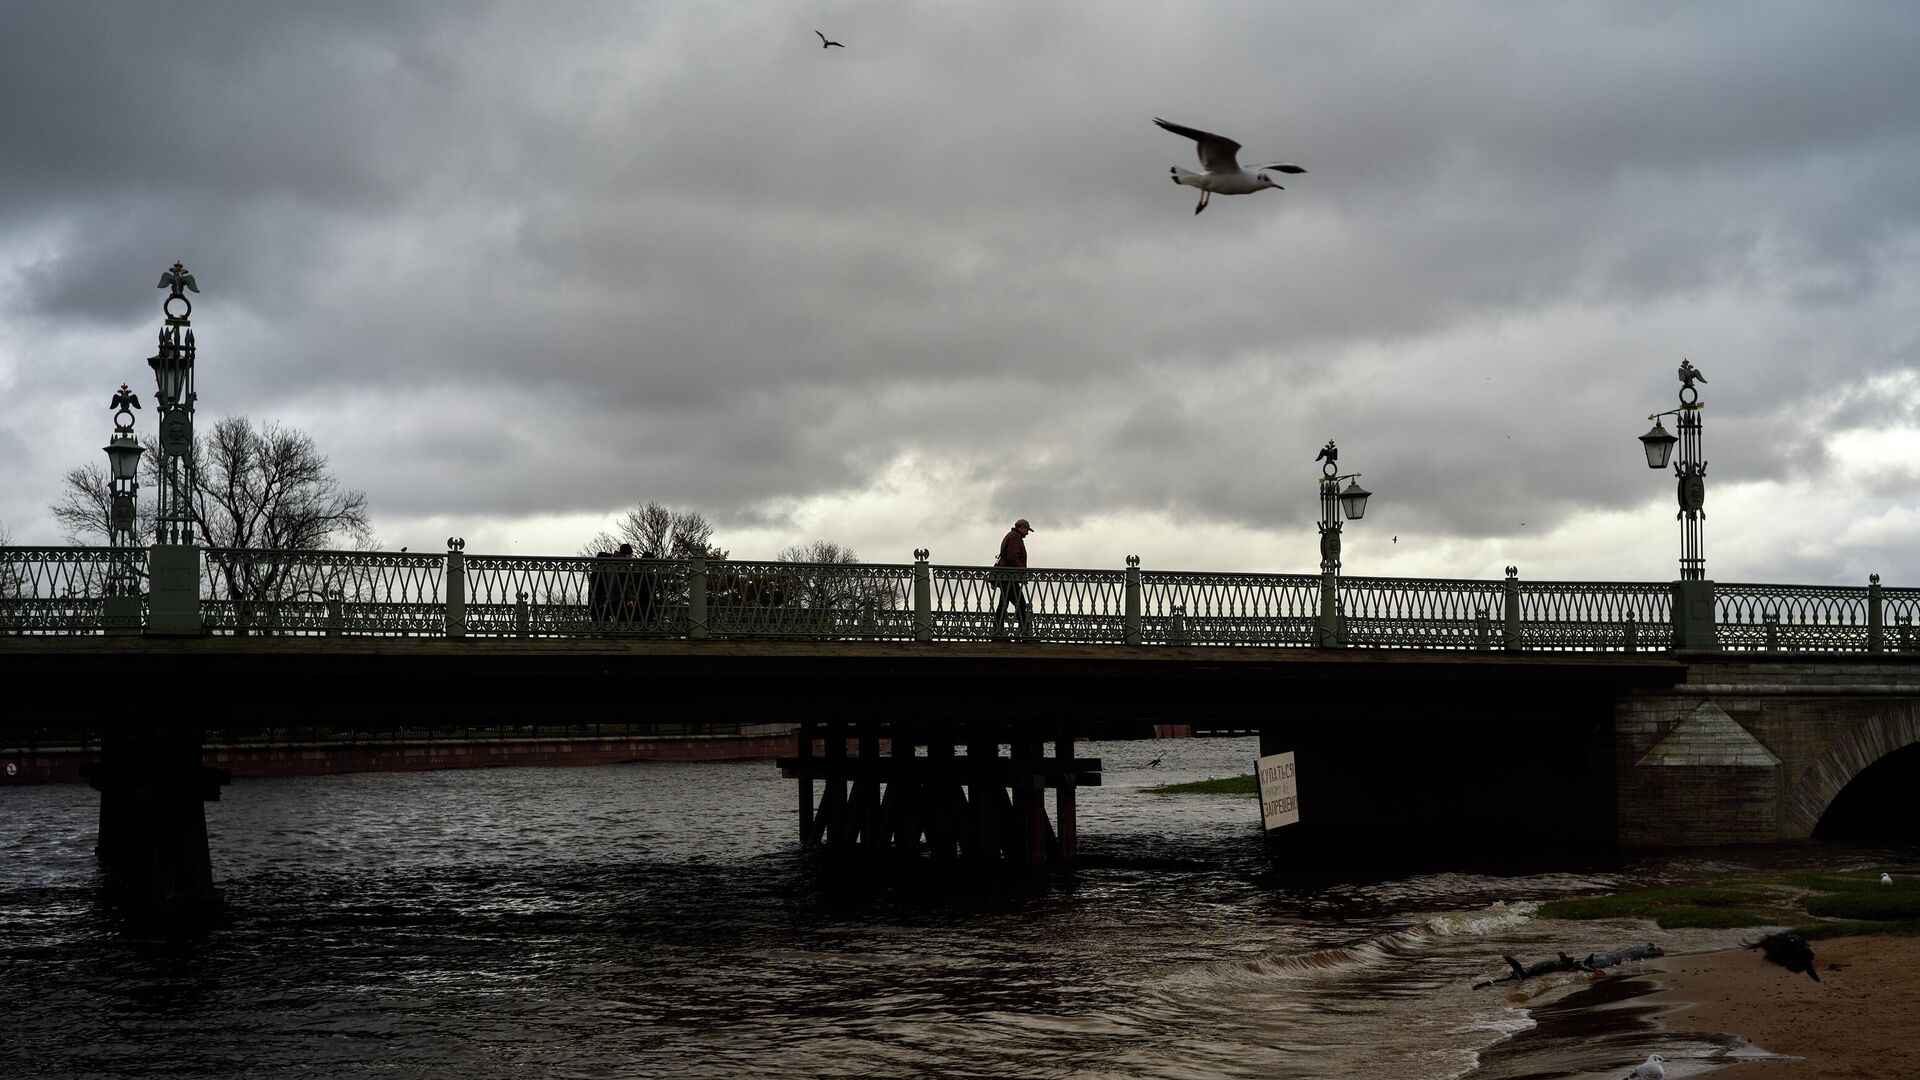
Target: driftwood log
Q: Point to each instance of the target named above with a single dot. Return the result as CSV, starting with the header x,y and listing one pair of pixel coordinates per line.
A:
x,y
1595,962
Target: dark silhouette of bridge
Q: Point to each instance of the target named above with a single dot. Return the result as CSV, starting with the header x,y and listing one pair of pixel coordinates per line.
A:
x,y
1422,713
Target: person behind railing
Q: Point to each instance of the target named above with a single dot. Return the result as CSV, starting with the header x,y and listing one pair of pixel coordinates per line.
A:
x,y
641,596
1013,557
602,590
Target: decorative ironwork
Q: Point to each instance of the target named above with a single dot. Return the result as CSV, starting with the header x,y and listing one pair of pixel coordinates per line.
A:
x,y
1810,618
64,590
818,601
1067,605
1582,615
1416,613
173,376
1184,608
362,593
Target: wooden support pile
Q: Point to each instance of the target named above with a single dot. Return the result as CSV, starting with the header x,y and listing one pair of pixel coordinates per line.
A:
x,y
977,805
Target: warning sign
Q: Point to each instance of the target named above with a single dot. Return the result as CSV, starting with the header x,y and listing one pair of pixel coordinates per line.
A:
x,y
1279,793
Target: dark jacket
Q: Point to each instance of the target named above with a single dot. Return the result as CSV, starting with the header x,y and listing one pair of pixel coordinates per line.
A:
x,y
1013,550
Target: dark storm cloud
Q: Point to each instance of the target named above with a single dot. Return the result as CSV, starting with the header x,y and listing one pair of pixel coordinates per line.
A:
x,y
506,261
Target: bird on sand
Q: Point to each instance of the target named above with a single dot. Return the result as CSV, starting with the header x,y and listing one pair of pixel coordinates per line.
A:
x,y
825,44
1220,158
1787,949
1886,879
1650,1069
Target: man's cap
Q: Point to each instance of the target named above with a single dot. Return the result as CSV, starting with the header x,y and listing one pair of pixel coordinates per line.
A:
x,y
1022,523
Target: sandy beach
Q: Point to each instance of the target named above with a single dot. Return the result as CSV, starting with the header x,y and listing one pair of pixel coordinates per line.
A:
x,y
1862,1019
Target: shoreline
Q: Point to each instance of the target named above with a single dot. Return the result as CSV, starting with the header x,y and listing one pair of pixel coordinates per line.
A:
x,y
1729,1014
1862,1019
316,757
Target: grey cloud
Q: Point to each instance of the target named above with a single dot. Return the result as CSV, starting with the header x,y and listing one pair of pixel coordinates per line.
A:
x,y
565,262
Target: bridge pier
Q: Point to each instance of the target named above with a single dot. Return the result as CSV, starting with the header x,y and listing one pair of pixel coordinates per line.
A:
x,y
979,807
153,823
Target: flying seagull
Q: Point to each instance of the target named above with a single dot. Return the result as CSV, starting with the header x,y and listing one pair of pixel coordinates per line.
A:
x,y
1220,157
824,43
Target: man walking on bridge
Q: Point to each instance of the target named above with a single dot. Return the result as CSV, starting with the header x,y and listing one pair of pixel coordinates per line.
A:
x,y
1013,555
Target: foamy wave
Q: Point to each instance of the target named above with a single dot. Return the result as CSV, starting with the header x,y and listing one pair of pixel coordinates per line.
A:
x,y
1498,915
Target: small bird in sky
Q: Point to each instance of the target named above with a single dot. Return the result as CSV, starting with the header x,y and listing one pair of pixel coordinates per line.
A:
x,y
825,44
1220,157
1396,539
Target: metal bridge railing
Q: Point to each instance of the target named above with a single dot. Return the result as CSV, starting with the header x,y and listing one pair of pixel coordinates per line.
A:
x,y
361,593
80,590
1585,615
1187,608
72,590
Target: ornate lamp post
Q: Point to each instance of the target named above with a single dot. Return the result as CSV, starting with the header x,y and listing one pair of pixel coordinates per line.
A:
x,y
1334,501
1693,626
174,598
122,613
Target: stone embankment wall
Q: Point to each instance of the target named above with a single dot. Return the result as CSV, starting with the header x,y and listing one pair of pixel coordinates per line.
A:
x,y
1754,747
62,764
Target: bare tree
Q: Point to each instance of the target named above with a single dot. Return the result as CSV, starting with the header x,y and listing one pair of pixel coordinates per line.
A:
x,y
819,551
814,586
269,487
263,487
9,574
659,533
86,502
257,487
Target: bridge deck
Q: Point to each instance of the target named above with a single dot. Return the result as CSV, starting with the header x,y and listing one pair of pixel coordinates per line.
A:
x,y
803,680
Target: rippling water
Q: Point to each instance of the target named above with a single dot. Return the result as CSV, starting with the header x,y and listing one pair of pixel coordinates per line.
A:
x,y
659,919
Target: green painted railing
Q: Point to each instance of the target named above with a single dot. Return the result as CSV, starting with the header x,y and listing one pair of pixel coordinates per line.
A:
x,y
76,590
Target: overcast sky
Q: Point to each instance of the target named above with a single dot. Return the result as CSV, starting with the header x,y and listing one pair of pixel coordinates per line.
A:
x,y
520,267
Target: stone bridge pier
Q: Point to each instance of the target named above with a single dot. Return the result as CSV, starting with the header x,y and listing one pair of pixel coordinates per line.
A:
x,y
1765,747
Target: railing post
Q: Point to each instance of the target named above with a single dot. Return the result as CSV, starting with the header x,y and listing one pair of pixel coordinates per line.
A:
x,y
522,616
456,587
1482,629
1632,642
869,619
173,590
1772,620
1177,624
1693,615
1876,629
1510,633
697,599
1133,600
1329,610
1905,625
922,596
336,614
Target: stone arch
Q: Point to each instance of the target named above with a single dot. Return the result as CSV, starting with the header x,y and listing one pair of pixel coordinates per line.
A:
x,y
1889,728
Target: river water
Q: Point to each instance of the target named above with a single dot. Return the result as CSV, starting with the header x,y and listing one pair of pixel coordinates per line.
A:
x,y
659,920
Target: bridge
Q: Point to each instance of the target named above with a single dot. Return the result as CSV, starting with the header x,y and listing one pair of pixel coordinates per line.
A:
x,y
1423,712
